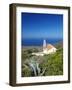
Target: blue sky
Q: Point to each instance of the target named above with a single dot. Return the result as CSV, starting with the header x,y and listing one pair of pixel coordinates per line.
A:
x,y
42,25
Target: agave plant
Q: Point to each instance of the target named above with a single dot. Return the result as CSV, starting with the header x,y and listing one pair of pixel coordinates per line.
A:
x,y
34,65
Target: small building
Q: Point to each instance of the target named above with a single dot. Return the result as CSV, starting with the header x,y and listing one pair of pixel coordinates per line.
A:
x,y
47,49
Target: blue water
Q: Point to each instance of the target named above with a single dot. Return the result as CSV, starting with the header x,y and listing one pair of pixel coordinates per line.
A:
x,y
38,42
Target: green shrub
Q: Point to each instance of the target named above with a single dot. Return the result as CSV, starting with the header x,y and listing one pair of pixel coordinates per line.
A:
x,y
26,72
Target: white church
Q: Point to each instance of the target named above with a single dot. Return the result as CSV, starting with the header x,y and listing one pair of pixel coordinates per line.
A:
x,y
47,49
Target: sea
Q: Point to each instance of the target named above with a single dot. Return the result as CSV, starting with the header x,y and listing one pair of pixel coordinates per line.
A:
x,y
38,41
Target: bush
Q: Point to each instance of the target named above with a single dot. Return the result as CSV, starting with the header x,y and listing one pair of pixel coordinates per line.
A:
x,y
26,72
53,64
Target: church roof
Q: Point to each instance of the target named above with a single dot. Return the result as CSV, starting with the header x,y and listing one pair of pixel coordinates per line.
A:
x,y
49,46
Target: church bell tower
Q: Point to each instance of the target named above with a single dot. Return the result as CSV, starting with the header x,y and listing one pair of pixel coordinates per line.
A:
x,y
44,45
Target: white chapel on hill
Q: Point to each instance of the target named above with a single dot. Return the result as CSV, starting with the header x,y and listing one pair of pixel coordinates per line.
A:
x,y
47,49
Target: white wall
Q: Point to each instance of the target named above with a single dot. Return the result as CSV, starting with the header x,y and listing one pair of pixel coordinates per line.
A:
x,y
4,45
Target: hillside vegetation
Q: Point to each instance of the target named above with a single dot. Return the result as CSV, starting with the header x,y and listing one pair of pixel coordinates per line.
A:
x,y
47,65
